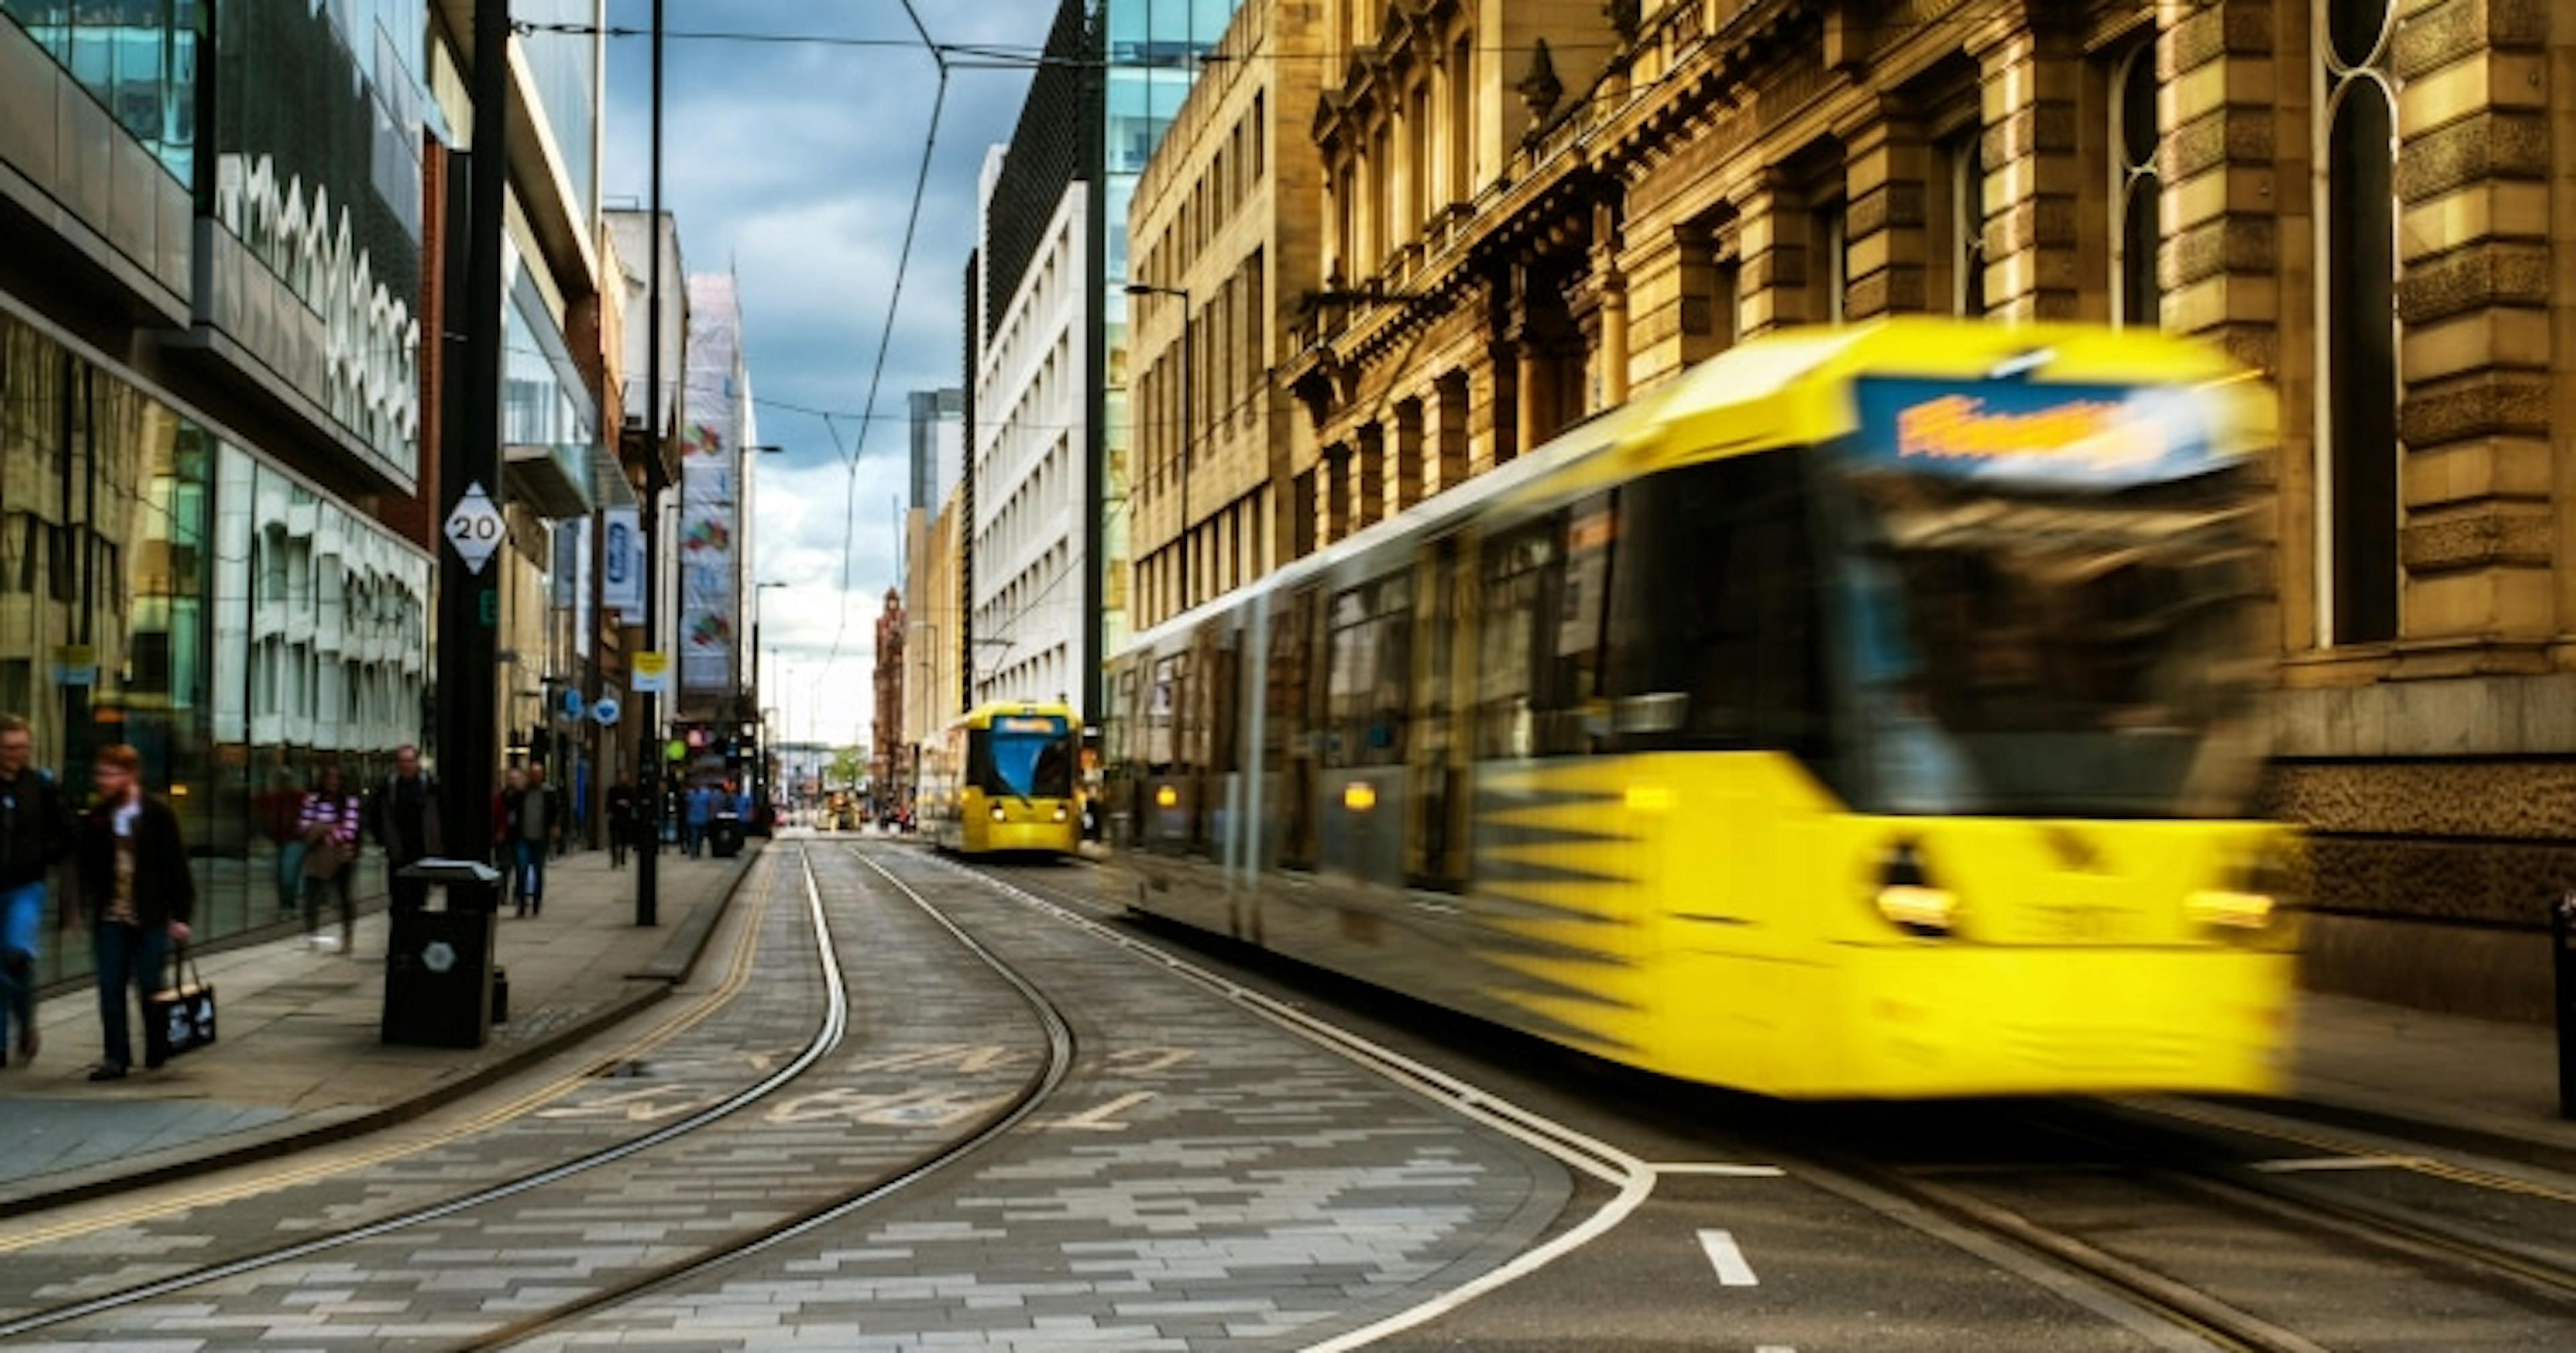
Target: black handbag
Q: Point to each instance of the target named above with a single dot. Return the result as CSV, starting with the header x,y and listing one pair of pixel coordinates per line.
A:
x,y
179,1018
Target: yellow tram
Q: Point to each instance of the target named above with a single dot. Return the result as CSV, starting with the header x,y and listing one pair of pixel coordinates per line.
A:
x,y
1867,713
1001,779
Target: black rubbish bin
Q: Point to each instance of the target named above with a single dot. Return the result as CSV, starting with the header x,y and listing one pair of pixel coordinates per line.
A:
x,y
438,963
725,834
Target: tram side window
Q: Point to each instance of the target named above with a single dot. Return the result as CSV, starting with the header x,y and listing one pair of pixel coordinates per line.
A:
x,y
1368,672
1508,643
1288,688
1713,634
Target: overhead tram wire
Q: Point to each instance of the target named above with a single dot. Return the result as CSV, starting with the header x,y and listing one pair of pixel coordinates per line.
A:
x,y
885,336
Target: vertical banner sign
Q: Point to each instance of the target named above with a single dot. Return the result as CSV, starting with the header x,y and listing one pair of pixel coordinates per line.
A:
x,y
710,501
621,564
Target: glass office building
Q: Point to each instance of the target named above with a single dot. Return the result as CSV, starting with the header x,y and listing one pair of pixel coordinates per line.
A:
x,y
164,585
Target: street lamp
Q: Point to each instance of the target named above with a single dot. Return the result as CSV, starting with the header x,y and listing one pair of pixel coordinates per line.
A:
x,y
1183,295
760,752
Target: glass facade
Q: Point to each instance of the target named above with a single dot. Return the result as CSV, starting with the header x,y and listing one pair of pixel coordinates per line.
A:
x,y
566,68
138,58
1153,51
162,586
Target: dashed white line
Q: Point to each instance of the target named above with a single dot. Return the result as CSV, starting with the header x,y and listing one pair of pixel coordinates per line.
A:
x,y
1727,1259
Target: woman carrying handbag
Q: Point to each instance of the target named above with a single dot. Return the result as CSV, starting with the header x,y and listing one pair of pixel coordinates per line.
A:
x,y
328,828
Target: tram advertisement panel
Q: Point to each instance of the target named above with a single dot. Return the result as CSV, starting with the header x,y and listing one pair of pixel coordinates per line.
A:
x,y
2030,432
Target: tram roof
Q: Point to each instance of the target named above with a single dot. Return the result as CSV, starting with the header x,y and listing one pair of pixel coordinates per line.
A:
x,y
983,715
1795,388
1786,389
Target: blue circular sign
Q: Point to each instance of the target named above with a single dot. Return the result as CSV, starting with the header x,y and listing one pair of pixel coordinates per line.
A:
x,y
604,713
572,706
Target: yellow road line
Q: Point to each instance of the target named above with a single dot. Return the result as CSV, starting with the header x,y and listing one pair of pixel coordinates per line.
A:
x,y
737,977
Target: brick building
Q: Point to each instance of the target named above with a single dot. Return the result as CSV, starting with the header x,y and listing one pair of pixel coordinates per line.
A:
x,y
889,765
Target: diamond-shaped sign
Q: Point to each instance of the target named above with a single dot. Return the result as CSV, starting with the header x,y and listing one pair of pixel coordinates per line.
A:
x,y
439,956
475,528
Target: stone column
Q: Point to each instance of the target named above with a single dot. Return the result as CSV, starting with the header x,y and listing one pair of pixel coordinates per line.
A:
x,y
1886,163
2233,120
2474,170
2033,76
1772,238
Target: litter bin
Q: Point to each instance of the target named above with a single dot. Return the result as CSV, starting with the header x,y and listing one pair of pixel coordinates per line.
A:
x,y
438,963
724,835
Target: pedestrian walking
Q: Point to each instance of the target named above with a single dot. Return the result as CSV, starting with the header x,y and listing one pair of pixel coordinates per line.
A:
x,y
527,815
621,821
702,814
404,813
136,892
35,834
328,825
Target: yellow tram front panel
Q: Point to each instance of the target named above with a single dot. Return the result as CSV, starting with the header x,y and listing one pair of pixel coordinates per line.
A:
x,y
995,823
1717,917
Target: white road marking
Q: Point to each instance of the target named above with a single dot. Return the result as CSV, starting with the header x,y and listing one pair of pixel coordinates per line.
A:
x,y
1099,1119
1775,1348
2309,1165
1728,1260
1722,1169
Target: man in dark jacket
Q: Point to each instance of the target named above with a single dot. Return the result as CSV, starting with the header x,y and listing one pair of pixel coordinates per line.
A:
x,y
621,821
35,834
405,813
137,891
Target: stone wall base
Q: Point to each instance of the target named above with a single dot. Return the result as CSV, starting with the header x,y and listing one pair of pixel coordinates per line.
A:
x,y
2462,970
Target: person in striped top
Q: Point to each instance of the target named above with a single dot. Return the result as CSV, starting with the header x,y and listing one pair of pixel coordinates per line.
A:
x,y
329,826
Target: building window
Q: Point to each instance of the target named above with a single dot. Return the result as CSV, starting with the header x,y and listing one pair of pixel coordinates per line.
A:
x,y
1829,273
1462,120
2359,385
2136,297
1966,160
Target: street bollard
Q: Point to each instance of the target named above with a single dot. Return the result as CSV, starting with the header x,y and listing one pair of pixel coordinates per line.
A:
x,y
2562,953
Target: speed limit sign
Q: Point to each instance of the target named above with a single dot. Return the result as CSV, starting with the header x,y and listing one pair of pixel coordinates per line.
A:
x,y
475,528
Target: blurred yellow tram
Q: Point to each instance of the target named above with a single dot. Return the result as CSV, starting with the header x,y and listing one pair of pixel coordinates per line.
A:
x,y
1001,780
1867,713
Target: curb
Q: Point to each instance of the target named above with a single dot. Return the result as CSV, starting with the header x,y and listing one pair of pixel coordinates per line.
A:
x,y
678,957
2455,1136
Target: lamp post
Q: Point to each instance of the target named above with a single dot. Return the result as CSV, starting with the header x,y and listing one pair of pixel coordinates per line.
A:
x,y
648,780
760,745
1182,294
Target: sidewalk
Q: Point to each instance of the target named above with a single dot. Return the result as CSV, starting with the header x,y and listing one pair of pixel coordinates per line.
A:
x,y
2479,1085
300,1057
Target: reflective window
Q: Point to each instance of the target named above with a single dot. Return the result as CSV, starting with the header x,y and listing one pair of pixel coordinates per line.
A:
x,y
138,58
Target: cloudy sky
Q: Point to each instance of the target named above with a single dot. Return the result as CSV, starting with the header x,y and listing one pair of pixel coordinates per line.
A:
x,y
793,165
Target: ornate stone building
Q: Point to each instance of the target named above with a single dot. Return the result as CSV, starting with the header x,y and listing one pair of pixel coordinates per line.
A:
x,y
1224,227
1530,210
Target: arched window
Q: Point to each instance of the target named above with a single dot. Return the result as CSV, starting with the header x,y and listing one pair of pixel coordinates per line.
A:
x,y
2137,298
2357,346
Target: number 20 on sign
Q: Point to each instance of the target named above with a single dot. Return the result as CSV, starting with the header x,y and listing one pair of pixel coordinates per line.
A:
x,y
474,528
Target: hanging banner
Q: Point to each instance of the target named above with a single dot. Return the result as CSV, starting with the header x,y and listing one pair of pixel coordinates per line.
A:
x,y
621,565
718,393
651,674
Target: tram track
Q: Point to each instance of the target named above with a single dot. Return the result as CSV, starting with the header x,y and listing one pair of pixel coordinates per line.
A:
x,y
829,1034
2081,1263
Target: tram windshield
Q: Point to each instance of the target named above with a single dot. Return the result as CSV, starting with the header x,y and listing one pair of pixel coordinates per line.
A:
x,y
2050,627
1025,756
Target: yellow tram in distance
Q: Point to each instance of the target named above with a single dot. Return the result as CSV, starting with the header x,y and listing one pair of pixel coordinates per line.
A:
x,y
1000,780
1866,713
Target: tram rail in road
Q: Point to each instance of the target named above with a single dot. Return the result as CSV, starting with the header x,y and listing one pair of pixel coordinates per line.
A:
x,y
827,1037
2168,1310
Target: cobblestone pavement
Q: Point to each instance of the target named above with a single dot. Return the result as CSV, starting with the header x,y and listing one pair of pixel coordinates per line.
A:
x,y
1203,1179
901,1084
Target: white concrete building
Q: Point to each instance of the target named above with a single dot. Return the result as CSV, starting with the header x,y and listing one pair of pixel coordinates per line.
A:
x,y
1031,492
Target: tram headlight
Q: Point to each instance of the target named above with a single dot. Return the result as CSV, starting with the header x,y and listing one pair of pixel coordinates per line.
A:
x,y
1060,814
1907,898
997,812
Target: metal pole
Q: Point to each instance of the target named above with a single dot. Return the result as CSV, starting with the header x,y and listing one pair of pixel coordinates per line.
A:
x,y
648,727
469,638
